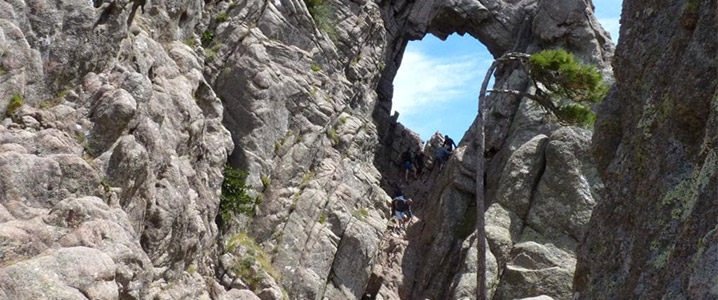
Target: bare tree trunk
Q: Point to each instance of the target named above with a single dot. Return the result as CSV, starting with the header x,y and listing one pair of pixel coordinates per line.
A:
x,y
480,173
480,232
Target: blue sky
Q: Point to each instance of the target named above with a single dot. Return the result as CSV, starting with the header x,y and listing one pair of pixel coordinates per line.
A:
x,y
437,85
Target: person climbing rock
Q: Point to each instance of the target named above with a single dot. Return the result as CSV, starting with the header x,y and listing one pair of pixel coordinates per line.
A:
x,y
401,210
407,161
449,143
419,159
442,155
135,5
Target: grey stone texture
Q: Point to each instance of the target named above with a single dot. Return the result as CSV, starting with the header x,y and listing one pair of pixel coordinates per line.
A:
x,y
653,234
111,171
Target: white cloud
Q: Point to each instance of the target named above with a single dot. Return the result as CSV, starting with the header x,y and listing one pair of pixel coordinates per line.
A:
x,y
423,81
612,25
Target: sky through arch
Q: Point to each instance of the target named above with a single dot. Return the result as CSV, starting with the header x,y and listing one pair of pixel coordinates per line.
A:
x,y
438,82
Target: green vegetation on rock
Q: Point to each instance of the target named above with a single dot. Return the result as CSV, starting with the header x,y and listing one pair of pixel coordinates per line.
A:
x,y
255,265
207,37
222,17
234,198
333,135
15,103
570,86
323,16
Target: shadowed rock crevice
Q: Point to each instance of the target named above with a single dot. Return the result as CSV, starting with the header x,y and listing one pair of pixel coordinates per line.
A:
x,y
528,194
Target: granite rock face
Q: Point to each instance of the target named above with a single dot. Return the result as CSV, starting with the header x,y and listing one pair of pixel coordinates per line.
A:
x,y
111,171
653,234
541,180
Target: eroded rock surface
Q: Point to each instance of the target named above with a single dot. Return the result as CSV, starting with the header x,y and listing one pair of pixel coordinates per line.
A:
x,y
110,171
115,159
653,234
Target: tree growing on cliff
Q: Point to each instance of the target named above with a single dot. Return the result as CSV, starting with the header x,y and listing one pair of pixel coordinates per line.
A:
x,y
563,87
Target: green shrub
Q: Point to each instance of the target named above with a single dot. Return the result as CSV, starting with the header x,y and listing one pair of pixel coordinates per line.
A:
x,y
222,17
306,179
322,218
577,114
265,181
342,120
14,104
323,16
315,68
361,214
255,256
191,42
333,135
568,87
565,78
207,37
234,198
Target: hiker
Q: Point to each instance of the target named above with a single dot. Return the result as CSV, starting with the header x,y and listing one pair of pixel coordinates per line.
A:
x,y
407,160
401,210
448,143
442,155
135,5
419,158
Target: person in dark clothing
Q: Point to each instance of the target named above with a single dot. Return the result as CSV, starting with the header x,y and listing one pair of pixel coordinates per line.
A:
x,y
407,160
419,159
397,190
401,210
449,143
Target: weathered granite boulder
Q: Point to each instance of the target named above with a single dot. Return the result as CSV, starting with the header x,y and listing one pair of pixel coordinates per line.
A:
x,y
111,170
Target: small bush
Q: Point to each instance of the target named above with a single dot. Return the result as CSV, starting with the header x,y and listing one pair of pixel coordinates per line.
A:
x,y
222,17
322,218
323,16
333,135
191,42
342,120
361,214
565,78
255,256
207,37
306,179
265,181
577,114
15,103
234,198
315,68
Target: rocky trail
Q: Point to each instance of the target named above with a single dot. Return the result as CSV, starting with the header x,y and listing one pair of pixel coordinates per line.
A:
x,y
400,255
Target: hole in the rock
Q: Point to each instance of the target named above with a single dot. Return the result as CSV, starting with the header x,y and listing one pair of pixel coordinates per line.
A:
x,y
438,83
